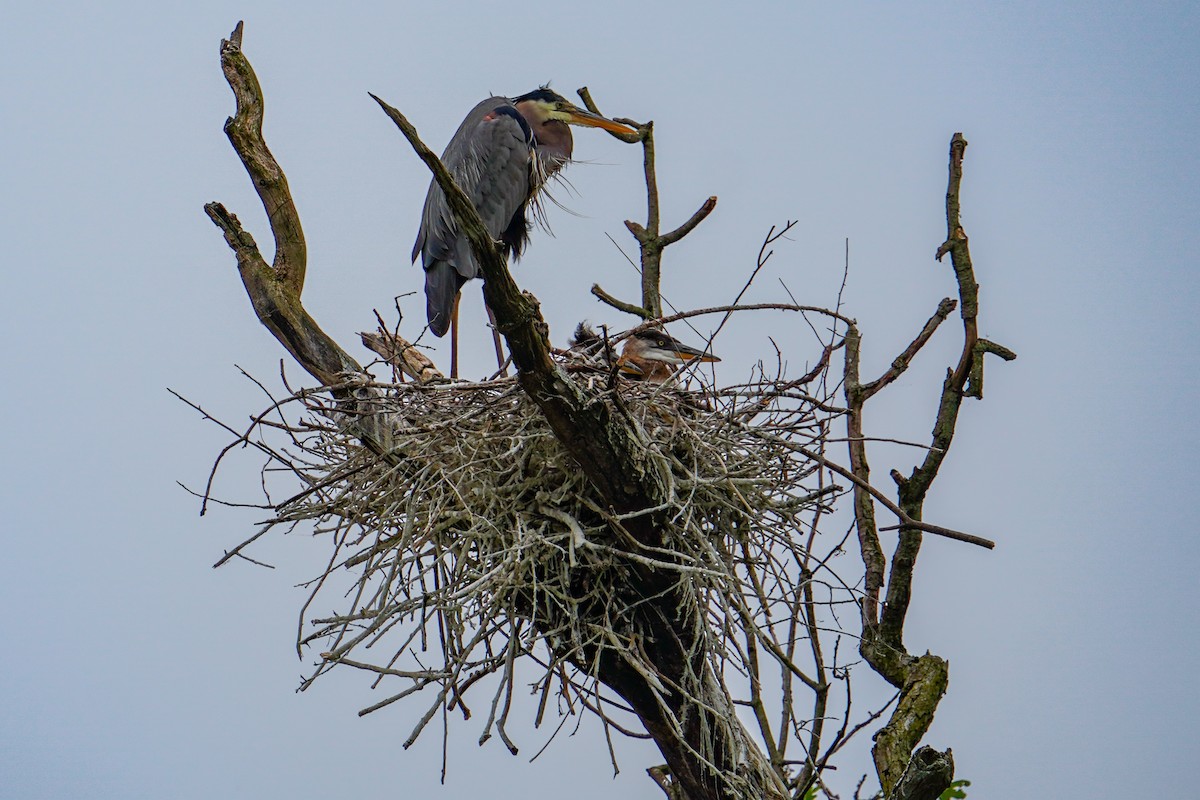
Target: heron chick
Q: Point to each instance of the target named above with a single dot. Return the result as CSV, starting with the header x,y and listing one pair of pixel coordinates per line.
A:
x,y
653,356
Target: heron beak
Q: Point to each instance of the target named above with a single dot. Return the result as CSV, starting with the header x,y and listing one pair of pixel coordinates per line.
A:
x,y
686,353
577,116
679,353
627,367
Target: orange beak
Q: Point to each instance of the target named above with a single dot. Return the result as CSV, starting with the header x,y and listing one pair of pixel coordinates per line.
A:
x,y
686,353
590,120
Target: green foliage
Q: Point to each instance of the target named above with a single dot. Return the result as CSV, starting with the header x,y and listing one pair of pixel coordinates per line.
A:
x,y
955,792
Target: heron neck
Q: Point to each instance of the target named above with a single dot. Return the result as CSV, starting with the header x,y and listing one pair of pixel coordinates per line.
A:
x,y
555,143
652,371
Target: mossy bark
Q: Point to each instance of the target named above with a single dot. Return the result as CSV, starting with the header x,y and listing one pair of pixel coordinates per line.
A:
x,y
925,682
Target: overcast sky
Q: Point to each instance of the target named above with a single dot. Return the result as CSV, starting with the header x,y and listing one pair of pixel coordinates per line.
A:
x,y
130,669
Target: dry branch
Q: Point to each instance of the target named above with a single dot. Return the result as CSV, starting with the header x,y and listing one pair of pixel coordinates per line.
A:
x,y
921,680
275,290
401,355
650,242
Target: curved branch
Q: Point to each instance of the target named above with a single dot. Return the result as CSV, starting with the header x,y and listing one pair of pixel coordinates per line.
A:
x,y
619,305
274,291
244,130
699,312
683,230
278,306
901,362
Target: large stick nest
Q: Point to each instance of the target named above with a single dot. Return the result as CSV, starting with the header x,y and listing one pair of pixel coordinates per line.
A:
x,y
483,534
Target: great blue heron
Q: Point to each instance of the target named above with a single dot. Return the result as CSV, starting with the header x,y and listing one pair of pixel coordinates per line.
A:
x,y
501,156
651,355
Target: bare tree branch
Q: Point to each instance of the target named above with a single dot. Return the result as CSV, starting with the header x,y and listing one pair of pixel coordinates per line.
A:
x,y
687,227
900,364
244,130
274,291
619,305
923,680
650,241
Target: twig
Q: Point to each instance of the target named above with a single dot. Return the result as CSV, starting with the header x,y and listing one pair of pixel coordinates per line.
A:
x,y
901,362
650,241
620,305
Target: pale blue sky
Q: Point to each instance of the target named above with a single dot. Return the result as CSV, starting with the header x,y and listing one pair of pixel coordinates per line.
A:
x,y
132,670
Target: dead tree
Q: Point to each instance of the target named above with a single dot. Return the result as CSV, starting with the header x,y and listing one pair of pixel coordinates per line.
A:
x,y
658,552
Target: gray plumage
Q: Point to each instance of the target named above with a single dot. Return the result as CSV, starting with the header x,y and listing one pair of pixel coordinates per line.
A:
x,y
499,160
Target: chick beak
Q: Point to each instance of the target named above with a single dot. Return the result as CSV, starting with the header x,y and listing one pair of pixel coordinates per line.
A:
x,y
683,354
628,367
686,353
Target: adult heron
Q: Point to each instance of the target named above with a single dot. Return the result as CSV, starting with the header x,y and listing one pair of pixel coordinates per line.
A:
x,y
501,156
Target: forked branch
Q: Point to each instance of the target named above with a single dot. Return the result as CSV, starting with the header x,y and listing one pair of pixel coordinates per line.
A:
x,y
274,290
651,243
921,680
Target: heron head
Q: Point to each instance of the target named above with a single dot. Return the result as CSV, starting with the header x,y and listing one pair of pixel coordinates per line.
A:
x,y
656,345
543,105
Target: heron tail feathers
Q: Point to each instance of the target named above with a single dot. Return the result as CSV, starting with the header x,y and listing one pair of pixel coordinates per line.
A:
x,y
442,283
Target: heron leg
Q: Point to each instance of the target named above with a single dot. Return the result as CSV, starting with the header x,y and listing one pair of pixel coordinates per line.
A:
x,y
454,339
500,359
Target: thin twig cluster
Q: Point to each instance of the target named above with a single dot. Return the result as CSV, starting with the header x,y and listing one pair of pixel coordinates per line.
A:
x,y
481,544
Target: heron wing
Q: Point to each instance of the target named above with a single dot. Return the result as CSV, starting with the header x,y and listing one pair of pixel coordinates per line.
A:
x,y
489,159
